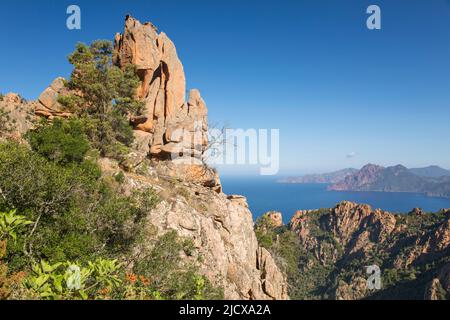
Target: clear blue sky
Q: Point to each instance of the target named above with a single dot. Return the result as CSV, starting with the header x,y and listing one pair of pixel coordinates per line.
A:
x,y
310,68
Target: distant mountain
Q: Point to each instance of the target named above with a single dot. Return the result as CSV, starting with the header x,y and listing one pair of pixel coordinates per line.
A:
x,y
431,172
431,180
376,178
332,177
395,179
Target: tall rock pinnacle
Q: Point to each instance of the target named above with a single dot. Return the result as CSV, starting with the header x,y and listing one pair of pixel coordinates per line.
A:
x,y
163,87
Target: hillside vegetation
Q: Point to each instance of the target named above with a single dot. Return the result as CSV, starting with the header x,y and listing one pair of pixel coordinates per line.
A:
x,y
325,253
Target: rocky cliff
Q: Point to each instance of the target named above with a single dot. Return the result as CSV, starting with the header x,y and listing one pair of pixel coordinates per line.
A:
x,y
411,250
170,139
220,226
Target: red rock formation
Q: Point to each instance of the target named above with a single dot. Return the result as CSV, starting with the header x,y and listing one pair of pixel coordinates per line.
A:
x,y
177,126
47,103
16,116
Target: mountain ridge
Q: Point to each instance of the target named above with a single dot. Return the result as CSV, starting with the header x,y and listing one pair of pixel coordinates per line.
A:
x,y
431,180
331,177
394,179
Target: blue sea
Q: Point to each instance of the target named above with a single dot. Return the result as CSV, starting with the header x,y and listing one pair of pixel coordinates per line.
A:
x,y
265,194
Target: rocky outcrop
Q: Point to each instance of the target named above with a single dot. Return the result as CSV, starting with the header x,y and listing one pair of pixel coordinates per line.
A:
x,y
178,127
353,291
16,116
170,128
356,228
439,287
220,227
344,240
190,173
428,246
272,280
275,218
47,104
241,200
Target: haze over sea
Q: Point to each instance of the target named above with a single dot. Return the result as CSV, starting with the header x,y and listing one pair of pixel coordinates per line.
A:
x,y
265,194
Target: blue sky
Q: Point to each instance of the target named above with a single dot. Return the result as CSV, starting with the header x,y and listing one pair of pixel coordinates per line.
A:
x,y
309,68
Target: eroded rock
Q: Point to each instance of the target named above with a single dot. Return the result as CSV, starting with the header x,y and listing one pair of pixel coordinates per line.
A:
x,y
178,127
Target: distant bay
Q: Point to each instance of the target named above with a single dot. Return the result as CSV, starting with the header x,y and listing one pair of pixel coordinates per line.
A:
x,y
265,194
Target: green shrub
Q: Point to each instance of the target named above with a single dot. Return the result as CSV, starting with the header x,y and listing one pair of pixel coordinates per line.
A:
x,y
78,216
105,96
5,125
162,275
111,135
12,226
265,231
63,141
72,281
170,277
119,177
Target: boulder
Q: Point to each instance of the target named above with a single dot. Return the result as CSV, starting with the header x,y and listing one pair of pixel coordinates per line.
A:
x,y
47,103
275,218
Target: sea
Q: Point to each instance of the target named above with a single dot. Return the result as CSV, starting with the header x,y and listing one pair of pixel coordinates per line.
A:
x,y
266,194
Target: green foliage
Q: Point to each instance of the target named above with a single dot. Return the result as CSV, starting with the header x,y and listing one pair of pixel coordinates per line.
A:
x,y
119,177
265,239
110,134
11,226
78,216
11,223
265,231
164,275
392,277
71,281
105,96
170,278
1,96
62,142
5,125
